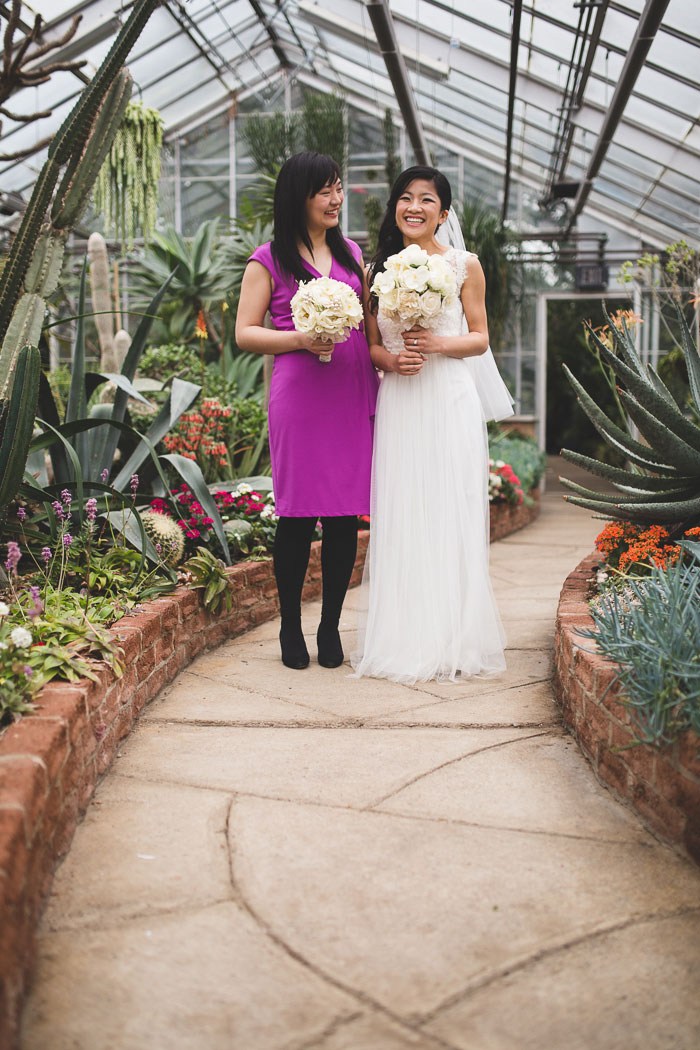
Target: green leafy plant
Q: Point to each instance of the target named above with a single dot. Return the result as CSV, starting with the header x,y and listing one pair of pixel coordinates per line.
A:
x,y
522,453
662,484
489,239
208,573
652,632
271,139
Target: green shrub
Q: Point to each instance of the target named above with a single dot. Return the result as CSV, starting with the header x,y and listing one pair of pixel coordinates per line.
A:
x,y
522,453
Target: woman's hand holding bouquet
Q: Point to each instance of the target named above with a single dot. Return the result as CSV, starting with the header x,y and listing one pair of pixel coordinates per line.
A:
x,y
326,310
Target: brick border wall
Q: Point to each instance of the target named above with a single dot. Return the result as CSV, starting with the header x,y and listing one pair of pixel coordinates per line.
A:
x,y
51,760
663,786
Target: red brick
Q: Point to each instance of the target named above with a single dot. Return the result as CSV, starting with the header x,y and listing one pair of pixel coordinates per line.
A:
x,y
44,737
124,721
155,683
70,709
599,720
145,664
130,640
71,774
13,854
65,826
688,793
87,784
614,772
169,609
269,588
664,818
622,741
689,753
667,778
189,603
691,839
261,570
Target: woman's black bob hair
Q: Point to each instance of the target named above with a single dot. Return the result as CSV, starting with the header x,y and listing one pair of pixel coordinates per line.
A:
x,y
301,177
390,239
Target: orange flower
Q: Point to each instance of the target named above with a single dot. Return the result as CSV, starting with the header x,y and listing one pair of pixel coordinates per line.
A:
x,y
201,327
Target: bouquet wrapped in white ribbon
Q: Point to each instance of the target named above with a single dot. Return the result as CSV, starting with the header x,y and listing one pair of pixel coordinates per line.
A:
x,y
328,309
414,287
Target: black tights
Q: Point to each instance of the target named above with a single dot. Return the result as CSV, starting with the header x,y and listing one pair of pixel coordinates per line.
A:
x,y
291,560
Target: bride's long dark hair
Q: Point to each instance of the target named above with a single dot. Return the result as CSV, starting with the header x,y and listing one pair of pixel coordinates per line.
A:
x,y
390,239
301,177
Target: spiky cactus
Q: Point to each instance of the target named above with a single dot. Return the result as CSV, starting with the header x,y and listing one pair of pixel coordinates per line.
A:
x,y
17,423
75,156
166,535
662,483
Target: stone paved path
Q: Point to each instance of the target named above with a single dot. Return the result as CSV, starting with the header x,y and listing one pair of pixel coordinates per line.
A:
x,y
285,860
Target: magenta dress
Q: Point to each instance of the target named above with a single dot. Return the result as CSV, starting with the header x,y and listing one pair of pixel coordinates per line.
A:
x,y
320,415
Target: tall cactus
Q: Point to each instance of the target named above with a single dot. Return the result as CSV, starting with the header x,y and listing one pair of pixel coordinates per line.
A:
x,y
76,154
17,423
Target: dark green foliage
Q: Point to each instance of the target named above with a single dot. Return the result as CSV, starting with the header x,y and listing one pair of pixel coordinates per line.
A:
x,y
653,633
393,160
486,237
17,423
271,139
522,453
672,455
323,126
209,575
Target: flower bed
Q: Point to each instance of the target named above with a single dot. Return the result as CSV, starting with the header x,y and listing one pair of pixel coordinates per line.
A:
x,y
52,758
663,786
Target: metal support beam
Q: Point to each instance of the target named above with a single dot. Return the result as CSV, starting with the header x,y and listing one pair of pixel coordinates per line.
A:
x,y
649,22
514,46
383,25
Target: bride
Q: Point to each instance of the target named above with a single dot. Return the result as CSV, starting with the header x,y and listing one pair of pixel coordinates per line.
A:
x,y
429,608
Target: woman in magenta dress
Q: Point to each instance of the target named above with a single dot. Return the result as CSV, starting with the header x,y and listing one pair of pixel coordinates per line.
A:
x,y
320,414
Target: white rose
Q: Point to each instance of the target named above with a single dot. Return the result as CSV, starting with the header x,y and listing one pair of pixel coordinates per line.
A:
x,y
414,256
21,637
390,300
416,278
394,263
303,317
408,304
383,283
430,304
4,609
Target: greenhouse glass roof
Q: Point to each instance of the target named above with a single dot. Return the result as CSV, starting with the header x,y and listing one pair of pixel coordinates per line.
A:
x,y
202,57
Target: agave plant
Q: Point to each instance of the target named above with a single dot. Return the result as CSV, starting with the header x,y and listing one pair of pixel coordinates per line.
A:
x,y
662,482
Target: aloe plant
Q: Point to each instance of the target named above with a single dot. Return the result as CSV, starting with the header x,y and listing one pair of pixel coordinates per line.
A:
x,y
662,482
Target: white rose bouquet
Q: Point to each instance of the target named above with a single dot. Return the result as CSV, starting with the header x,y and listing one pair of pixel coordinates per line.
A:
x,y
414,286
328,309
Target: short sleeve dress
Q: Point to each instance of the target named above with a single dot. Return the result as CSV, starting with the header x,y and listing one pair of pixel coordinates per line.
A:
x,y
321,415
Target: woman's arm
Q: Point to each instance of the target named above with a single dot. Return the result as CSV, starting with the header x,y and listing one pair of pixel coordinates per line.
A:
x,y
251,334
472,344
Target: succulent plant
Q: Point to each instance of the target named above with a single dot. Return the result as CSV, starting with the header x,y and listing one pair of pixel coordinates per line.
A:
x,y
662,482
208,573
17,423
166,535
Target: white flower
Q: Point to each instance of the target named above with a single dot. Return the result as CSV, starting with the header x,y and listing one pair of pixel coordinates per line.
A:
x,y
430,304
390,299
21,637
416,278
408,304
242,489
327,308
3,645
4,609
383,283
414,256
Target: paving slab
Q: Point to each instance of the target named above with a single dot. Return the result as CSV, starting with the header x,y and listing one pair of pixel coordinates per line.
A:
x,y
409,912
600,994
521,705
201,980
312,765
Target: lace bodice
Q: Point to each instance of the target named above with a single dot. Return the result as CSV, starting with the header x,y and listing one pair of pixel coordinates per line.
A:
x,y
450,320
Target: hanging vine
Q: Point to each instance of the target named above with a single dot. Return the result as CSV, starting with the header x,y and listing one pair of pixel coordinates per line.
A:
x,y
126,191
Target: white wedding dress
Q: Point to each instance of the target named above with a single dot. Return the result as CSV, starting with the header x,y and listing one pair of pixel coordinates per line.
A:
x,y
427,608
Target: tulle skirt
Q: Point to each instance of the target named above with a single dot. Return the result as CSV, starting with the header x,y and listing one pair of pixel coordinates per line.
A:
x,y
427,607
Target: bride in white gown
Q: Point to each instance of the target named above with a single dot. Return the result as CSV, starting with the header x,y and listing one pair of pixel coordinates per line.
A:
x,y
428,609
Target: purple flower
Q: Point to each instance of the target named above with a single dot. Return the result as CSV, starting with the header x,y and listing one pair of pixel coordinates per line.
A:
x,y
67,540
66,497
34,593
28,671
91,509
21,513
46,554
104,474
13,556
58,510
134,483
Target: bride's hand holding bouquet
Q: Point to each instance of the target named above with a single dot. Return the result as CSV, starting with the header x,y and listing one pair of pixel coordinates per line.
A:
x,y
325,311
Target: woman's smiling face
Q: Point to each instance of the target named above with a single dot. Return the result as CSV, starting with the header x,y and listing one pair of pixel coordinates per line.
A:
x,y
323,209
419,211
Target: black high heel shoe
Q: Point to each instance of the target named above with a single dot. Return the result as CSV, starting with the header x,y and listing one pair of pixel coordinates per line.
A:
x,y
330,650
294,651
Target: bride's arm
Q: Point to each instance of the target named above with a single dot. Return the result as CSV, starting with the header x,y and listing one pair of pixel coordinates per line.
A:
x,y
408,362
476,340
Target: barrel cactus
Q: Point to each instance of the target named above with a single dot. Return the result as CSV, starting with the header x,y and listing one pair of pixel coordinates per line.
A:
x,y
662,482
166,535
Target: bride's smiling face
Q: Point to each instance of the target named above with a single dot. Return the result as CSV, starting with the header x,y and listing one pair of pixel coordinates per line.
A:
x,y
419,211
